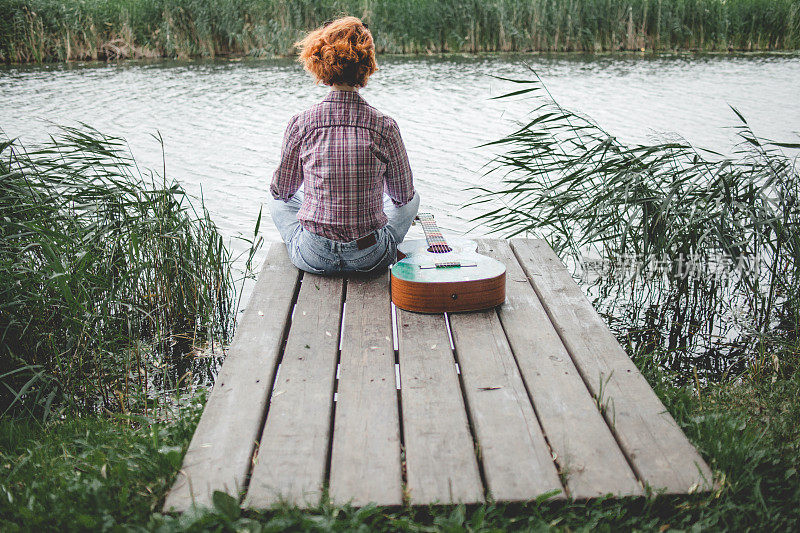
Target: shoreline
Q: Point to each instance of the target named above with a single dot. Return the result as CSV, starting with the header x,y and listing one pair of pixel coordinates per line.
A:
x,y
242,57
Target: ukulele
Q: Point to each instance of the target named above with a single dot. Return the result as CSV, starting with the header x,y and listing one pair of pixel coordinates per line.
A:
x,y
436,276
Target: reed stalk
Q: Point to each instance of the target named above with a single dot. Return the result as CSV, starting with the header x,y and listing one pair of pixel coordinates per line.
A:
x,y
51,30
698,251
110,278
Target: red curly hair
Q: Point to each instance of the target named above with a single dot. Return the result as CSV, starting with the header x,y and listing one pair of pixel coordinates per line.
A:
x,y
341,52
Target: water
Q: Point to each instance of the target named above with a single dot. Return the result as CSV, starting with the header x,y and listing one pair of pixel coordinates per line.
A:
x,y
222,121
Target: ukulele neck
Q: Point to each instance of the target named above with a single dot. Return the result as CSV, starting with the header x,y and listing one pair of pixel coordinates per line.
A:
x,y
436,242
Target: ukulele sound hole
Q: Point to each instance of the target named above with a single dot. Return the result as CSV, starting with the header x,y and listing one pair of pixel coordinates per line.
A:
x,y
439,249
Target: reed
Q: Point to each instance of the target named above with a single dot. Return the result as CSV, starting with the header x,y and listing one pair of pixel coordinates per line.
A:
x,y
51,30
109,278
698,252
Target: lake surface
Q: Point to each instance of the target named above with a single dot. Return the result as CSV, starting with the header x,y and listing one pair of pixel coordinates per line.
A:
x,y
223,121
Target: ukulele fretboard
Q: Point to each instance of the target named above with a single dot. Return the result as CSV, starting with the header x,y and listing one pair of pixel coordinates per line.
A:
x,y
433,236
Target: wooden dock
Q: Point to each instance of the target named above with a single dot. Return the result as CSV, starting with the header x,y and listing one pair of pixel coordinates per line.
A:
x,y
325,385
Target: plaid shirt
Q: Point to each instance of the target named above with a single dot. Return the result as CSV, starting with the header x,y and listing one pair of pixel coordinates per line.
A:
x,y
346,154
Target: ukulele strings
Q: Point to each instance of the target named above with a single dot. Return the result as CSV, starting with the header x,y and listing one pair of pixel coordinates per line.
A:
x,y
435,239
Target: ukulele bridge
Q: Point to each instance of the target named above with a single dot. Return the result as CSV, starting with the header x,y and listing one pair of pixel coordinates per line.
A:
x,y
449,264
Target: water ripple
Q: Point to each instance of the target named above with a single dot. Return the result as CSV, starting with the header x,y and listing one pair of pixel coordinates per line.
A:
x,y
223,122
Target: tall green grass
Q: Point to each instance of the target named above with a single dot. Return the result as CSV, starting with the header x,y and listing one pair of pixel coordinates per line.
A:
x,y
95,472
698,252
109,278
45,30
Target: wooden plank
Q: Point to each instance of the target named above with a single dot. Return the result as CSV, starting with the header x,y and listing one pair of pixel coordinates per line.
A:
x,y
440,456
293,452
516,460
220,451
589,458
365,456
659,452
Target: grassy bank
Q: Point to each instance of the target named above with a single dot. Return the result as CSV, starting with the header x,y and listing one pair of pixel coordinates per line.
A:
x,y
89,473
51,30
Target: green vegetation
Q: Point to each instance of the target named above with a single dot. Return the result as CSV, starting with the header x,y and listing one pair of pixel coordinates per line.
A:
x,y
89,473
47,30
109,278
702,250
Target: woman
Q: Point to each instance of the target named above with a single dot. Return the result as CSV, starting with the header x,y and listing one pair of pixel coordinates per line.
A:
x,y
343,192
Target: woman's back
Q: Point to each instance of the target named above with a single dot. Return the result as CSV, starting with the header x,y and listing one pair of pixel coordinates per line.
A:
x,y
347,154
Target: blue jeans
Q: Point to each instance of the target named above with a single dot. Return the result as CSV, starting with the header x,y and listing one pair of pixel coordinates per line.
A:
x,y
319,255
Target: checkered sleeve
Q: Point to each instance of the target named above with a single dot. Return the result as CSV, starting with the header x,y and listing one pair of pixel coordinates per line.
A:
x,y
288,177
399,180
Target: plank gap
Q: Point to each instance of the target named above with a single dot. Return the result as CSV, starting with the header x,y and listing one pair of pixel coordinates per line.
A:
x,y
277,374
553,454
395,343
476,446
284,338
341,330
326,478
398,385
402,458
449,331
